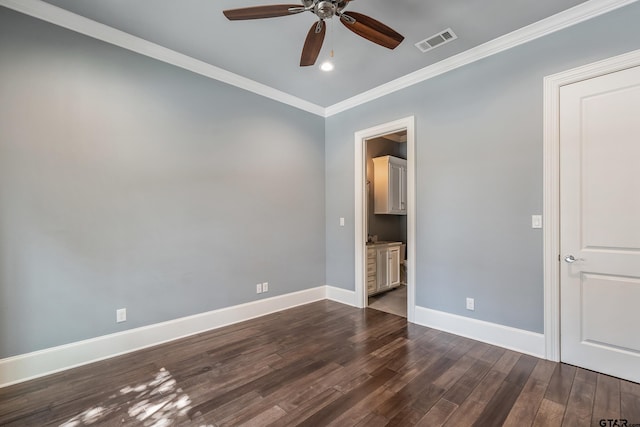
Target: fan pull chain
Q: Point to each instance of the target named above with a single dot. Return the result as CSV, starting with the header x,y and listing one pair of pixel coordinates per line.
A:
x,y
331,35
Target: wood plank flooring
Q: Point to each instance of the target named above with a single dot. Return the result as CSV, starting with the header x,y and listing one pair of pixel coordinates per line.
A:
x,y
322,364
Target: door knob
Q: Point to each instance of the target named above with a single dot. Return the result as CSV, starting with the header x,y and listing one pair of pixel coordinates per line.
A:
x,y
570,259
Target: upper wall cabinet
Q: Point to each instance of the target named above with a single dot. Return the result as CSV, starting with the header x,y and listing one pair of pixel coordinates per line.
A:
x,y
390,185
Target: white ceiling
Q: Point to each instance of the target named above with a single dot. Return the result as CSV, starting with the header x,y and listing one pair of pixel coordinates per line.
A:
x,y
268,50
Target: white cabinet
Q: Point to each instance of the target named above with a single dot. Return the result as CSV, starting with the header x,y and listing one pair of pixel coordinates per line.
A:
x,y
390,185
393,266
383,267
372,271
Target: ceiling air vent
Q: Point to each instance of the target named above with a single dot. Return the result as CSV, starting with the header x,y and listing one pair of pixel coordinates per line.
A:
x,y
436,40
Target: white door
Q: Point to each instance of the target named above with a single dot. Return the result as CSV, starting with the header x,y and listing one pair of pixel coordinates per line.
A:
x,y
600,223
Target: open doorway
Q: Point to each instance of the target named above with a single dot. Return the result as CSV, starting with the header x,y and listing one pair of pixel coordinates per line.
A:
x,y
385,236
386,222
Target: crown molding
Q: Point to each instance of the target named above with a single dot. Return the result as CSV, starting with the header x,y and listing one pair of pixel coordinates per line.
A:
x,y
575,15
63,18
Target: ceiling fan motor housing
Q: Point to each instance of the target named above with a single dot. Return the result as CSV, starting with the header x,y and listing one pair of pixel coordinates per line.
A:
x,y
325,9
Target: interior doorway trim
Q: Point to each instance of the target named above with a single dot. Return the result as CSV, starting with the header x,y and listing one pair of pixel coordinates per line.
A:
x,y
551,188
361,137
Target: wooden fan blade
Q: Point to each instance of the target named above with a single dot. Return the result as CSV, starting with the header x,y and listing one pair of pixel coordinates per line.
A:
x,y
313,44
259,12
372,30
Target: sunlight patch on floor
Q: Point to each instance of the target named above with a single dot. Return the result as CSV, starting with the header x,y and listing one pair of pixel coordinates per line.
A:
x,y
158,403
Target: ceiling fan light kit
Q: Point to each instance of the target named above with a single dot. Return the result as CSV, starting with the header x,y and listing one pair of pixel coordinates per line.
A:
x,y
362,25
327,66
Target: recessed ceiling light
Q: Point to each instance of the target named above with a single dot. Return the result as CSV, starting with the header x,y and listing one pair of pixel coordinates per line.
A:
x,y
326,66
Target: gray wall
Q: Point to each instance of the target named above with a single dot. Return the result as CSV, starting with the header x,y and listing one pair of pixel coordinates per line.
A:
x,y
479,173
127,182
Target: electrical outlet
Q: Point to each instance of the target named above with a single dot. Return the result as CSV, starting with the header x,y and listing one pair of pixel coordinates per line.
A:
x,y
121,315
341,222
259,288
265,287
471,304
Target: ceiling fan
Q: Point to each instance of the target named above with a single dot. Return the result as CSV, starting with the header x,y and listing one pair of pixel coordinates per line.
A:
x,y
360,24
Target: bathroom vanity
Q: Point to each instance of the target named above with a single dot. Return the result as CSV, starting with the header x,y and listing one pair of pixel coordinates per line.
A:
x,y
383,266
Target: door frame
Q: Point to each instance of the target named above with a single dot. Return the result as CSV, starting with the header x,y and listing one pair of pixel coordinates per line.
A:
x,y
551,185
361,137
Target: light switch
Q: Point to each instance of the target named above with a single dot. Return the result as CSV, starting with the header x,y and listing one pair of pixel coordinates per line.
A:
x,y
536,221
341,222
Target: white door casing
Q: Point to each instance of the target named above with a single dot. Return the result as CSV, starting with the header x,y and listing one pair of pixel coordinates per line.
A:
x,y
600,223
552,248
360,139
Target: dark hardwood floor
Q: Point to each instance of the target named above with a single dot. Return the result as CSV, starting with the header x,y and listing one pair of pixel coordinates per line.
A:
x,y
322,364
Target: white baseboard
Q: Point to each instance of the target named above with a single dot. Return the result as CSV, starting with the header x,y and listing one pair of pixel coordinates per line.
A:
x,y
341,295
48,361
492,333
44,362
